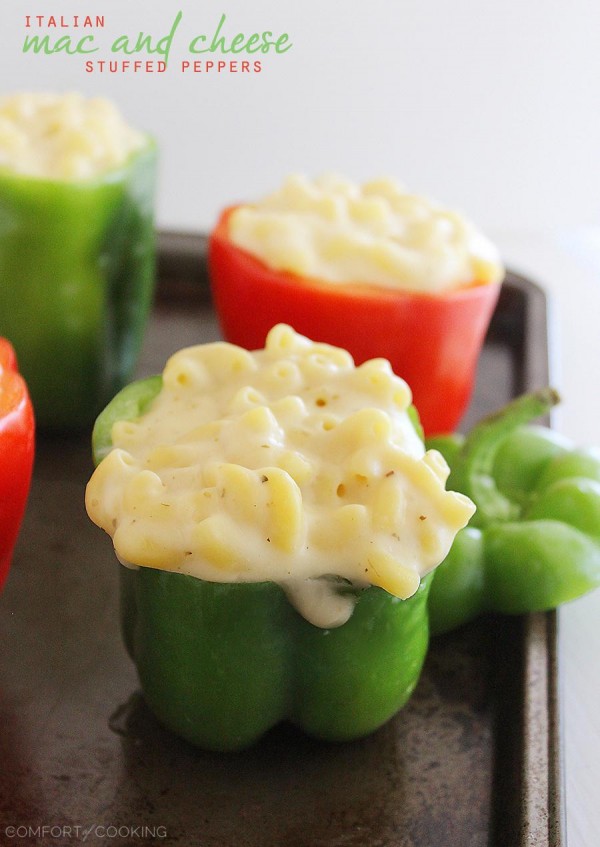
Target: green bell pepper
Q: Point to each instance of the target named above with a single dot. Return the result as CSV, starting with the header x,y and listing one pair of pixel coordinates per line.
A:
x,y
220,664
77,270
534,541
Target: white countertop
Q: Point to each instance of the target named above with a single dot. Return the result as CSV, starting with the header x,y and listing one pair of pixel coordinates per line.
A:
x,y
567,266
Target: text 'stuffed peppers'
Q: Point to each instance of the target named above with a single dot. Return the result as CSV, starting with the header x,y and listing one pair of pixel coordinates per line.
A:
x,y
260,595
76,252
16,453
534,541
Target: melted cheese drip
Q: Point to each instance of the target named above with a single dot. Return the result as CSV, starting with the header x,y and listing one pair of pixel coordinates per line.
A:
x,y
289,464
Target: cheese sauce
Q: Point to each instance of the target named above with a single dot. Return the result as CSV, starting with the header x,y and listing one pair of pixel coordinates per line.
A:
x,y
63,136
288,464
377,234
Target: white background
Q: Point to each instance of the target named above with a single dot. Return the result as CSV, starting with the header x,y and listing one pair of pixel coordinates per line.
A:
x,y
489,106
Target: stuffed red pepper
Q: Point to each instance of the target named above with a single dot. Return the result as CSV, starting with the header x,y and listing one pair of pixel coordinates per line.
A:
x,y
372,269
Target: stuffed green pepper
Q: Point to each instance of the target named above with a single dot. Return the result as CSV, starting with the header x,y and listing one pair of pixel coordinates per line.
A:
x,y
76,249
277,519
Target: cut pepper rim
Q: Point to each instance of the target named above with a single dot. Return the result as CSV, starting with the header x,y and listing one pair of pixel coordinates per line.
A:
x,y
357,288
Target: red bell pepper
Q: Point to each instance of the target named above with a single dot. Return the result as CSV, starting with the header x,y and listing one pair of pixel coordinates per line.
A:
x,y
432,340
16,453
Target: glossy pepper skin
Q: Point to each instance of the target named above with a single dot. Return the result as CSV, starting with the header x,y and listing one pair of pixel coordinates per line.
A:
x,y
432,341
77,271
16,453
220,664
534,541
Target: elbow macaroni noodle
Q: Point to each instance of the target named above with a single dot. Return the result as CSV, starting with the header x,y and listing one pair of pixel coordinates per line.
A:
x,y
376,234
287,464
63,137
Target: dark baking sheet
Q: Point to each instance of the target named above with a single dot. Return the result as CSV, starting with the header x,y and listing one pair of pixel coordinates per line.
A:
x,y
472,760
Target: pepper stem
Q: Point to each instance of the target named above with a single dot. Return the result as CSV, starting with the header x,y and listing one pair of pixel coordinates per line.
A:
x,y
473,472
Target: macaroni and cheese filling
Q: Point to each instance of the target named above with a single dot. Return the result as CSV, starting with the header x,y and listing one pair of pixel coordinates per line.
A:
x,y
377,234
288,464
63,136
